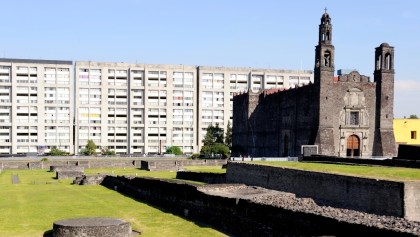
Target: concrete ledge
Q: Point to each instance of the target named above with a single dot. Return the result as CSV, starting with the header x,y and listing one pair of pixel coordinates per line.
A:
x,y
401,199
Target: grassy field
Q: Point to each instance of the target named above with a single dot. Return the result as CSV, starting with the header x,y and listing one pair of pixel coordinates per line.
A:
x,y
31,207
387,173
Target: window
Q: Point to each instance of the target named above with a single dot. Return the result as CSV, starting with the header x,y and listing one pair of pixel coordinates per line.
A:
x,y
413,134
354,118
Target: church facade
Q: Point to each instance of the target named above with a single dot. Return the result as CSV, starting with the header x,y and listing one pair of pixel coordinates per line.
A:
x,y
346,116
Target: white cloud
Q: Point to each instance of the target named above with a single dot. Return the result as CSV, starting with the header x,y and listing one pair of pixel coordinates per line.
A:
x,y
407,85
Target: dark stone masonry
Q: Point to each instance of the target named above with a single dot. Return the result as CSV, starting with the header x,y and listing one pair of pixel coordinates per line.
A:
x,y
89,179
241,210
67,172
345,116
382,197
205,177
92,227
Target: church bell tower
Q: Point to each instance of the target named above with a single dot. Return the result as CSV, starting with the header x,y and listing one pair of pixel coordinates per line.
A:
x,y
384,144
324,52
323,80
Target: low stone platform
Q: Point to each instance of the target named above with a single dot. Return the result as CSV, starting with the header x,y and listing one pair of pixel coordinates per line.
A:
x,y
67,172
55,168
89,179
92,227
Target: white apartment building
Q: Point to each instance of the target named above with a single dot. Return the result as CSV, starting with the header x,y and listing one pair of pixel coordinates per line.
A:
x,y
129,108
36,109
135,108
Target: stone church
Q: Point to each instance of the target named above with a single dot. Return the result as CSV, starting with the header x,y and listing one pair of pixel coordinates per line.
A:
x,y
346,116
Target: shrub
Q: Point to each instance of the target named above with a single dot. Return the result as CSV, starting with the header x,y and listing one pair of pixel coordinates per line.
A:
x,y
57,152
195,156
107,152
90,148
174,150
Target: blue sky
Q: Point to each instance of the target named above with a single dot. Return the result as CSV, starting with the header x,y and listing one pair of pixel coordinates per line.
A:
x,y
247,33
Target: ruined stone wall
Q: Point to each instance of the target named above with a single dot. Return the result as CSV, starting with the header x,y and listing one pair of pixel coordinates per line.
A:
x,y
158,164
68,174
369,195
153,165
205,177
408,152
236,216
99,163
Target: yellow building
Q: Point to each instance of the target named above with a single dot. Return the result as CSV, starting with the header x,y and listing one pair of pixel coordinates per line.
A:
x,y
407,131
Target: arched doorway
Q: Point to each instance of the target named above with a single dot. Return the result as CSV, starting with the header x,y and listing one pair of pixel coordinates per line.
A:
x,y
353,146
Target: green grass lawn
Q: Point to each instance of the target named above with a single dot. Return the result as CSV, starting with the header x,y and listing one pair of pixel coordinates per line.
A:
x,y
377,172
31,207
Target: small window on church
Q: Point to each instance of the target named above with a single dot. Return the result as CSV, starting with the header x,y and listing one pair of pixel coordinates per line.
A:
x,y
354,118
413,134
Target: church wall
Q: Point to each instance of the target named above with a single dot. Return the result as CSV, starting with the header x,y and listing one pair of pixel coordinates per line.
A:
x,y
280,123
350,116
345,98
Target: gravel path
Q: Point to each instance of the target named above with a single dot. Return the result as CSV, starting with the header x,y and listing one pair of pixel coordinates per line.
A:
x,y
289,201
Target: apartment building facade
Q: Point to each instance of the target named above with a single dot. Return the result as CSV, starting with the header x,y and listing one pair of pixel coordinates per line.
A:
x,y
126,107
135,108
36,110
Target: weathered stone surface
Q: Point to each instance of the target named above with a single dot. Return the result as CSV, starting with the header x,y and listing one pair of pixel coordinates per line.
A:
x,y
89,179
177,165
381,197
206,177
54,168
92,227
253,211
68,174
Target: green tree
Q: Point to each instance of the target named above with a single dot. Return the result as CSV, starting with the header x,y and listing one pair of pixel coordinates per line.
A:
x,y
213,142
218,133
174,150
209,138
221,150
108,152
214,135
413,116
206,150
57,152
90,148
228,138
